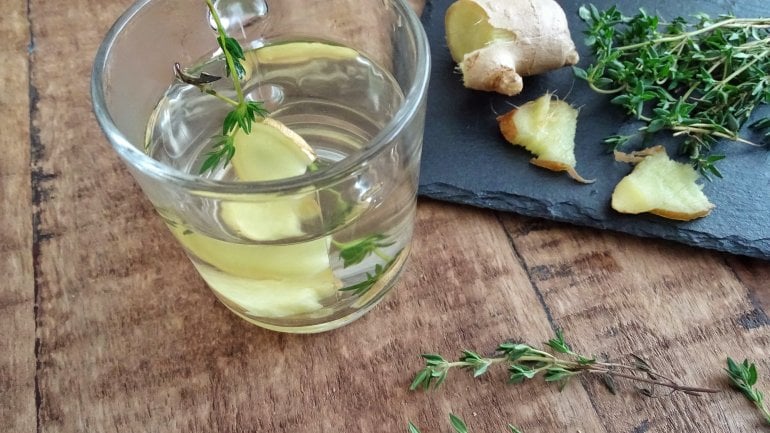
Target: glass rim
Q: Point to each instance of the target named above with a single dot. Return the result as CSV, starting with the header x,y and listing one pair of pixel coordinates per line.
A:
x,y
413,99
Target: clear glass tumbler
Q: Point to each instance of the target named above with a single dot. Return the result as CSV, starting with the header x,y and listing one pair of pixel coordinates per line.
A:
x,y
286,242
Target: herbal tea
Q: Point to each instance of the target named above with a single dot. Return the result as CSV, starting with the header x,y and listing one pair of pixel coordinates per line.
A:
x,y
309,254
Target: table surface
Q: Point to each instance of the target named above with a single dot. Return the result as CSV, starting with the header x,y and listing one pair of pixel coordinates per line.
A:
x,y
107,328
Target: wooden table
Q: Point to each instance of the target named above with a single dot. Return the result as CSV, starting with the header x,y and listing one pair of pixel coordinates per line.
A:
x,y
107,328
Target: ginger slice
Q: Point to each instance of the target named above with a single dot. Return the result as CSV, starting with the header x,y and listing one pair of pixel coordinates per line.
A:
x,y
294,52
278,298
497,42
270,151
661,186
545,127
261,278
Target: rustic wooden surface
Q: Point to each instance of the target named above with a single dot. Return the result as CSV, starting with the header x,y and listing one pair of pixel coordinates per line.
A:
x,y
107,328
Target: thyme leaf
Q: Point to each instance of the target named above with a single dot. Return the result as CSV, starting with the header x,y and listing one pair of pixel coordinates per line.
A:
x,y
354,252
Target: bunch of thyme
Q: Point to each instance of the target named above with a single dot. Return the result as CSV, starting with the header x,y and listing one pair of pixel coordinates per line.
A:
x,y
525,362
700,81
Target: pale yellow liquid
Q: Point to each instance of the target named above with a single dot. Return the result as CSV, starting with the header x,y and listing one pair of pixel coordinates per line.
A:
x,y
269,265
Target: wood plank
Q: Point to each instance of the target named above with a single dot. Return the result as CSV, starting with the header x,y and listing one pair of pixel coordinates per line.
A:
x,y
755,275
17,298
82,259
677,306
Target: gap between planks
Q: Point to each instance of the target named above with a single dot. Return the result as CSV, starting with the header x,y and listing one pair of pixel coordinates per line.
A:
x,y
541,299
38,197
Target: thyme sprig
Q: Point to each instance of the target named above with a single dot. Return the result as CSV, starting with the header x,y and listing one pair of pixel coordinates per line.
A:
x,y
371,278
458,425
744,376
355,251
701,81
244,112
525,362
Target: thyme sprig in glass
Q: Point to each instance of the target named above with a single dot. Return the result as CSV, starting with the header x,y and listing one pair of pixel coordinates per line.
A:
x,y
244,112
701,81
354,252
525,362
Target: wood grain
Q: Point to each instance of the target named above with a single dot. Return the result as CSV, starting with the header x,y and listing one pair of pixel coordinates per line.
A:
x,y
129,339
476,298
679,307
17,293
86,205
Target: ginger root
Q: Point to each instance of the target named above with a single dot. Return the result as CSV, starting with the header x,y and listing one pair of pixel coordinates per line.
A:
x,y
497,42
545,127
660,186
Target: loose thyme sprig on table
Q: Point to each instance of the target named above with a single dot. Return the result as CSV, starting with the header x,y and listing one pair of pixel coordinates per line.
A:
x,y
700,81
525,362
458,425
244,113
744,376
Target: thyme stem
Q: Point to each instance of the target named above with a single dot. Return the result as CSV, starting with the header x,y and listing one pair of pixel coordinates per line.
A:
x,y
730,22
525,362
222,36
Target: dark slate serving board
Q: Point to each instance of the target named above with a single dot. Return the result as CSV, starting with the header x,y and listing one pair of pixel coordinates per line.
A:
x,y
466,160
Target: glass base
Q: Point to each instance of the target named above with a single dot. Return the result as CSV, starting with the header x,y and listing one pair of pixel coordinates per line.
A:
x,y
357,309
307,329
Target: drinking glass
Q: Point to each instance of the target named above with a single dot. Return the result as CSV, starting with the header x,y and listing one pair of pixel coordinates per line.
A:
x,y
304,253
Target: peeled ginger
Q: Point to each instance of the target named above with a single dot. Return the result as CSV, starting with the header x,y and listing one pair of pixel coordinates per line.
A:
x,y
661,186
497,42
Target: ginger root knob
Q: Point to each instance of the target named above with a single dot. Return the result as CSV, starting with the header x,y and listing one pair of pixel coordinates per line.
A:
x,y
497,42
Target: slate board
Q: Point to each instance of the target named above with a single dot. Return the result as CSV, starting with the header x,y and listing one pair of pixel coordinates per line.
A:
x,y
466,160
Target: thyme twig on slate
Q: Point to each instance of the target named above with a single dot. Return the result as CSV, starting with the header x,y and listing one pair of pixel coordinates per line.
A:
x,y
525,362
701,81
